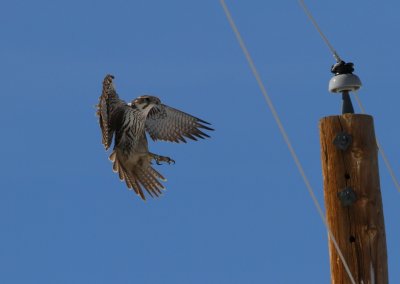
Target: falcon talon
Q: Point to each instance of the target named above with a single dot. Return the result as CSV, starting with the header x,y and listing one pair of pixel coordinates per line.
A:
x,y
170,161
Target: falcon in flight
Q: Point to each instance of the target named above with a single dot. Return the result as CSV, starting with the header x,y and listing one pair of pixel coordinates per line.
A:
x,y
129,122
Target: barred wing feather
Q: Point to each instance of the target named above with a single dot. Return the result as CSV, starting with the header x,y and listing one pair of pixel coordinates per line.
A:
x,y
110,110
169,124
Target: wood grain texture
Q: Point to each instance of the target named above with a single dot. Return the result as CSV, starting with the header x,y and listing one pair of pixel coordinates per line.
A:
x,y
358,228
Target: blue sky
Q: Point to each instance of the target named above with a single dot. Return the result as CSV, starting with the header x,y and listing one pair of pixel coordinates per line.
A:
x,y
236,209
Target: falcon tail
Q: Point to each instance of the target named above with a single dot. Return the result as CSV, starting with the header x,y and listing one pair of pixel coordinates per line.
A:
x,y
139,176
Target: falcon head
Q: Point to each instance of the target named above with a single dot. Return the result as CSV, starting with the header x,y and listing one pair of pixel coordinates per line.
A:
x,y
145,103
108,79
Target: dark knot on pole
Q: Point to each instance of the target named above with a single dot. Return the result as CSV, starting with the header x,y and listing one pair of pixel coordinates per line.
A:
x,y
347,197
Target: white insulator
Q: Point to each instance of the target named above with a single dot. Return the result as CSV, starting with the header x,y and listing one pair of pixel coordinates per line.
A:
x,y
344,82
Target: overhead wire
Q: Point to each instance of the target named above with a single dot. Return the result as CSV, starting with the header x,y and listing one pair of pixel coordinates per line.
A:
x,y
285,136
325,39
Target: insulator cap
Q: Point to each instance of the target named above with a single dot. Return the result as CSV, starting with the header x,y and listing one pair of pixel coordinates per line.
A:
x,y
344,82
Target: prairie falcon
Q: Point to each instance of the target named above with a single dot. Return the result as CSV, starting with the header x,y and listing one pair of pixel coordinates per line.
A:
x,y
129,122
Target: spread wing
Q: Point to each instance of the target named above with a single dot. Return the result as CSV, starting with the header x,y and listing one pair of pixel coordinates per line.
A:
x,y
169,124
110,111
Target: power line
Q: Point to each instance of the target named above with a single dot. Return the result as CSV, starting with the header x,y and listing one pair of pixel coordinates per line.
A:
x,y
314,22
284,134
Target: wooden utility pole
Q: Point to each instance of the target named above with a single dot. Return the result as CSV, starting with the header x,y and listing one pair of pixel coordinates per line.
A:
x,y
353,198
